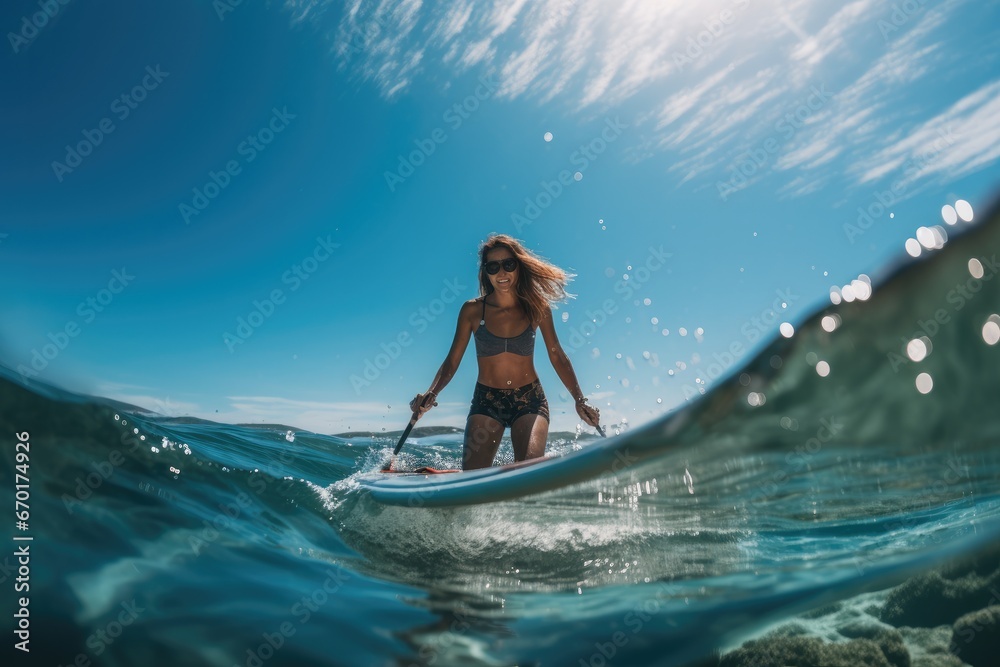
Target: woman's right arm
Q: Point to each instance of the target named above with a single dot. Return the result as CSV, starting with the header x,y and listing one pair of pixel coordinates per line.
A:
x,y
463,331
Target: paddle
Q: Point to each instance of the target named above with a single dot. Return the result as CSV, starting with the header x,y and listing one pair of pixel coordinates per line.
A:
x,y
406,433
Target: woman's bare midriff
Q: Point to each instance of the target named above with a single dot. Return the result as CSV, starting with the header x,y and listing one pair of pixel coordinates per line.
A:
x,y
506,371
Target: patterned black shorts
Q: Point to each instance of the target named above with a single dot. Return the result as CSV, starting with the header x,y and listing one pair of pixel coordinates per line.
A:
x,y
506,405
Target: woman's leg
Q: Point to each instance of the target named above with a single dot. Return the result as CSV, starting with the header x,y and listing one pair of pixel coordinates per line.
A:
x,y
528,434
482,439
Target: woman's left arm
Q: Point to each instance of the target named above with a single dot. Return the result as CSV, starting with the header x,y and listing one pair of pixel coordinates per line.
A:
x,y
564,369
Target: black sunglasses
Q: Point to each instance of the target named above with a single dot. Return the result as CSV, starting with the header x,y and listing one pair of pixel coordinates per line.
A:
x,y
510,264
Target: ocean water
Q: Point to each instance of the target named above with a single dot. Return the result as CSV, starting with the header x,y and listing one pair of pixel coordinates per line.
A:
x,y
817,472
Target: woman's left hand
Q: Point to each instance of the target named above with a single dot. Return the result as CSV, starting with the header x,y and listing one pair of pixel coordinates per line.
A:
x,y
588,413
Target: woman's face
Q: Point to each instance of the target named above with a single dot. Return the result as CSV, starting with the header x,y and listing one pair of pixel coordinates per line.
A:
x,y
503,281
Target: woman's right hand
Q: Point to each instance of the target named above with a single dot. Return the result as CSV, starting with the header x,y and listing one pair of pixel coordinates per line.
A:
x,y
421,403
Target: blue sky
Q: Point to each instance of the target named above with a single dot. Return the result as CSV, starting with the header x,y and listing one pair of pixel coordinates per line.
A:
x,y
234,212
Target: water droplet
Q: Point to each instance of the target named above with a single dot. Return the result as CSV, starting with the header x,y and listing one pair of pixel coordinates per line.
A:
x,y
991,330
964,210
916,349
926,237
949,214
547,136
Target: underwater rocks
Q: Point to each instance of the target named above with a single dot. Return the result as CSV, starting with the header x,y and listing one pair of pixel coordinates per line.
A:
x,y
938,598
949,617
885,650
976,637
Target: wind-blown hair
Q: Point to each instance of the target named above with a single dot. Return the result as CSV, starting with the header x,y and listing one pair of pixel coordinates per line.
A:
x,y
539,283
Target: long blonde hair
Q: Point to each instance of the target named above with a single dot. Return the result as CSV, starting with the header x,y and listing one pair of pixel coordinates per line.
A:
x,y
539,283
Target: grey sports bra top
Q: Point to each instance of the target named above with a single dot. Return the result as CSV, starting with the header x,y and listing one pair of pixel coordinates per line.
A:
x,y
488,345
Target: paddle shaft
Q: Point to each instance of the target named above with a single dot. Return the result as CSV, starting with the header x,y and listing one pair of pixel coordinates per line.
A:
x,y
406,434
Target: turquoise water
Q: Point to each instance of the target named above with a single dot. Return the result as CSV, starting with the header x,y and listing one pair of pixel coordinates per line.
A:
x,y
168,541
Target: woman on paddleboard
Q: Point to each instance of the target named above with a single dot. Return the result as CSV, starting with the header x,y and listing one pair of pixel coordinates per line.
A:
x,y
517,291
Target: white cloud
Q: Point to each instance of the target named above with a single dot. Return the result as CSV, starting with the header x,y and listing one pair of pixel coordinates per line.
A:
x,y
721,86
832,36
962,139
